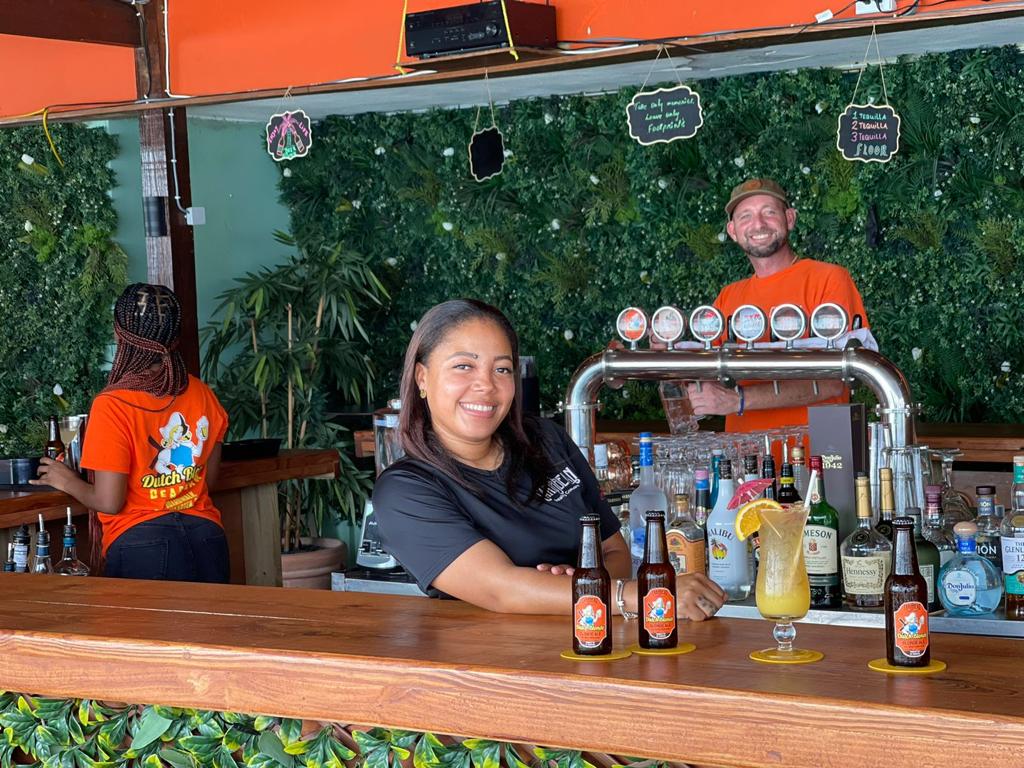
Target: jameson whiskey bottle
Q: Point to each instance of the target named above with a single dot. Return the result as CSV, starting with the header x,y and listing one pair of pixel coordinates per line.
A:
x,y
866,557
591,594
887,504
906,599
821,543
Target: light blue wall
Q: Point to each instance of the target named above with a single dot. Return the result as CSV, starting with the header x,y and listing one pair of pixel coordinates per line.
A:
x,y
127,194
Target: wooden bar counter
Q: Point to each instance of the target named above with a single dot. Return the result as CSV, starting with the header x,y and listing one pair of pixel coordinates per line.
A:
x,y
246,495
450,668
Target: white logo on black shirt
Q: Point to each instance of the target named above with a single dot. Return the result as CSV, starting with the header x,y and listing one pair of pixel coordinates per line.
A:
x,y
561,485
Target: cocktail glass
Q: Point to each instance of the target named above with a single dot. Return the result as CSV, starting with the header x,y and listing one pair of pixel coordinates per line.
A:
x,y
782,591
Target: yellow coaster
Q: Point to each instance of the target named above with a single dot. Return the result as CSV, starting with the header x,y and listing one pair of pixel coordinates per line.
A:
x,y
881,665
796,656
679,650
613,656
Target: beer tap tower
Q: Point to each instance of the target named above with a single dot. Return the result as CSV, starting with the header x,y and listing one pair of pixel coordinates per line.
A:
x,y
730,363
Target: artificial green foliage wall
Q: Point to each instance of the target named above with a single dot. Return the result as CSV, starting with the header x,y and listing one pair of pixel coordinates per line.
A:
x,y
584,222
61,272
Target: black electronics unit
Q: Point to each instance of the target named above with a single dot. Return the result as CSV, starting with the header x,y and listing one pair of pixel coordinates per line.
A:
x,y
479,27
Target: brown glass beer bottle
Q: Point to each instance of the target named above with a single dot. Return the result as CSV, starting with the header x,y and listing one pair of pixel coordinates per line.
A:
x,y
591,594
54,445
656,589
906,601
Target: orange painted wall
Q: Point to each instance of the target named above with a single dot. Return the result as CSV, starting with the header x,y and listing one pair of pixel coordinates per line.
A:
x,y
238,45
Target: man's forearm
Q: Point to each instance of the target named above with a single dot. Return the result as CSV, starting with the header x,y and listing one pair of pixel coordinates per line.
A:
x,y
761,396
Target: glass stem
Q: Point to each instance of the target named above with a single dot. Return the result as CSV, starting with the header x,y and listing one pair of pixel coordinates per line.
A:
x,y
785,634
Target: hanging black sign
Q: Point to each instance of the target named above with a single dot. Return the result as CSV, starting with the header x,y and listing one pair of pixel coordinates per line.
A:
x,y
664,115
869,133
486,153
289,135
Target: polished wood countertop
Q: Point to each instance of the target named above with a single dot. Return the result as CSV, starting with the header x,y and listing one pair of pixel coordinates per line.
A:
x,y
447,667
17,507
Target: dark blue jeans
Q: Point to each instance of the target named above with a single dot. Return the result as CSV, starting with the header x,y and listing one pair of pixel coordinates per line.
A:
x,y
173,547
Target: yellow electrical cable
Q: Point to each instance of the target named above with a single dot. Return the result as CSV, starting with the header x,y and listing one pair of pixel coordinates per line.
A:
x,y
508,31
401,38
45,111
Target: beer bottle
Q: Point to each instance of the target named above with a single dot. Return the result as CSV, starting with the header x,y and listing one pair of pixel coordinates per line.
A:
x,y
906,601
54,445
591,594
656,589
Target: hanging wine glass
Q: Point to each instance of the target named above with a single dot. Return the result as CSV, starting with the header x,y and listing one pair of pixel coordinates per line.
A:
x,y
955,508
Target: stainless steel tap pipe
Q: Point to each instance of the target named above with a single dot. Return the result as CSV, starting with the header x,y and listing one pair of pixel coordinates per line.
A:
x,y
728,365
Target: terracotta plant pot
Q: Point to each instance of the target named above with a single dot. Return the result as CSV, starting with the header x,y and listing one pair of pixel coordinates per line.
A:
x,y
311,569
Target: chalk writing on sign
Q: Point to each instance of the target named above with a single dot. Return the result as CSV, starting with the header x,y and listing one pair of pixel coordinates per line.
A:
x,y
868,133
664,115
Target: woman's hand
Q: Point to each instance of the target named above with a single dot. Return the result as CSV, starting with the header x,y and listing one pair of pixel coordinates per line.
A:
x,y
55,474
557,570
697,597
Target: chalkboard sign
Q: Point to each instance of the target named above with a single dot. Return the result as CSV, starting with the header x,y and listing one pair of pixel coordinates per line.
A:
x,y
289,135
869,133
486,153
664,115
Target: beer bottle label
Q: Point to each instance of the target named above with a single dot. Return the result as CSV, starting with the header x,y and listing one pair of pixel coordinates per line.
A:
x,y
591,621
659,613
911,623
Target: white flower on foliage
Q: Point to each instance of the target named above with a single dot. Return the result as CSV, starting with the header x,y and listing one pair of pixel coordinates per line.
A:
x,y
819,107
556,224
357,204
568,334
27,159
739,162
3,429
287,173
391,261
500,255
413,324
662,183
548,118
937,193
379,151
721,237
58,390
805,170
916,353
448,151
507,153
974,119
447,226
594,180
645,276
1005,366
28,226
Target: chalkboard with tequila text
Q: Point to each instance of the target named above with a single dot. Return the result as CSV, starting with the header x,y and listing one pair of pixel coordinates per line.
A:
x,y
869,133
664,115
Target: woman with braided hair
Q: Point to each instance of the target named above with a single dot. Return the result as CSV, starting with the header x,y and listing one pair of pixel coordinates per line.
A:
x,y
153,444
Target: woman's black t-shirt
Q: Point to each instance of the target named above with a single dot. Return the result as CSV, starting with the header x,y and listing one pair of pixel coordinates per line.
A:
x,y
426,519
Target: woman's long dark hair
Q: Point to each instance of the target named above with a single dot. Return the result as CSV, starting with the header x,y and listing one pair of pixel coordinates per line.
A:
x,y
147,325
418,436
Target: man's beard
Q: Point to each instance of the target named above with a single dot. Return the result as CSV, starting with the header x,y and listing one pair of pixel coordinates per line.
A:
x,y
767,250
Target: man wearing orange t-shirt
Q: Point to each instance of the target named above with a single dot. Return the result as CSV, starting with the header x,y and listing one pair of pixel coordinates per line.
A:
x,y
760,220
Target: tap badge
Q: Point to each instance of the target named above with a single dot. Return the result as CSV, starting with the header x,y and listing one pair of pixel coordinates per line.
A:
x,y
632,324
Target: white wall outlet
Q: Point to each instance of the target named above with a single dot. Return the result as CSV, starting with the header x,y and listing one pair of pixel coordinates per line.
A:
x,y
195,216
875,6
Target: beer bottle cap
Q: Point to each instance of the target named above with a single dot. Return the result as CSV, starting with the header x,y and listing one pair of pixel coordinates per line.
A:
x,y
590,520
654,515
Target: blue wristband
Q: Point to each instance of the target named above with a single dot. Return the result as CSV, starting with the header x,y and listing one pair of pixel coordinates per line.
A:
x,y
743,400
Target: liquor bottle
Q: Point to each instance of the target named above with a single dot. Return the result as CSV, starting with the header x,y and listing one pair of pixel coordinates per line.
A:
x,y
821,543
935,527
750,468
55,448
969,585
887,503
768,473
684,538
591,594
788,494
9,563
647,497
601,468
623,516
866,556
1011,538
906,594
656,589
728,557
41,561
716,461
69,564
22,539
701,497
800,475
928,560
988,526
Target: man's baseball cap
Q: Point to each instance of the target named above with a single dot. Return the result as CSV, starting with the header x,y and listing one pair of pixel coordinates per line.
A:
x,y
752,187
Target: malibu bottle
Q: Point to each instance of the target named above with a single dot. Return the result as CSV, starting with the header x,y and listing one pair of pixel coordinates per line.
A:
x,y
906,600
656,589
591,594
728,557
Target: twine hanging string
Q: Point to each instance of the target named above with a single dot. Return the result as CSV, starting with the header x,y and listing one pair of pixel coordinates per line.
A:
x,y
881,69
662,49
490,101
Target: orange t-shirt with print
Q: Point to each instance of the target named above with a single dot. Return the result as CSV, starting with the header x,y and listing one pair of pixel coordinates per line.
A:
x,y
162,446
808,284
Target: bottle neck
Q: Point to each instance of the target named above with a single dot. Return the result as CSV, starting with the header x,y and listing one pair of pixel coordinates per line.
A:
x,y
904,559
966,545
654,543
646,475
816,491
933,513
590,548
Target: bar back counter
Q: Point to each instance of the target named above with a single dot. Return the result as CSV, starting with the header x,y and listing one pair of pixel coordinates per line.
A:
x,y
449,668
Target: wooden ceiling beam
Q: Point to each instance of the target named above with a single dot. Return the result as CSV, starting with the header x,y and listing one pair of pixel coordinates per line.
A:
x,y
109,22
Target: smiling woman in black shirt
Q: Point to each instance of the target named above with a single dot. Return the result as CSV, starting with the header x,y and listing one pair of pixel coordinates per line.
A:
x,y
486,505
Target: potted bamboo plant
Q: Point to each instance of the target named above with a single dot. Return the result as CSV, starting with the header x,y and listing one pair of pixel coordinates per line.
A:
x,y
285,341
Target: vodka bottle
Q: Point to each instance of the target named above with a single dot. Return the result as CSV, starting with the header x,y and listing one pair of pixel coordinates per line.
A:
x,y
647,497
